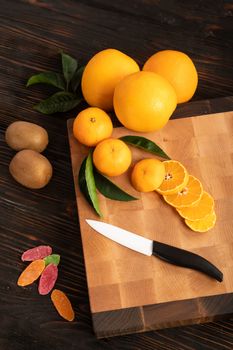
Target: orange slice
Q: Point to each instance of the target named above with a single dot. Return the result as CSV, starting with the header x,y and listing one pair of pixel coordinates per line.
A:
x,y
188,196
202,225
176,178
199,210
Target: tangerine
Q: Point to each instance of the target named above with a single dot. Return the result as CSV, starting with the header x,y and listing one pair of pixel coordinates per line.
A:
x,y
175,179
147,175
91,126
112,157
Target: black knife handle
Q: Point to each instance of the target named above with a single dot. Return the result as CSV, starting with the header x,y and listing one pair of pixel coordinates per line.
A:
x,y
184,258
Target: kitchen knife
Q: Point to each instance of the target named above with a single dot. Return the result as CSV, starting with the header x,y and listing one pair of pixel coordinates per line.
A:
x,y
168,253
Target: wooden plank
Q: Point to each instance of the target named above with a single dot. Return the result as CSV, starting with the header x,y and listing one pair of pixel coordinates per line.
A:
x,y
122,282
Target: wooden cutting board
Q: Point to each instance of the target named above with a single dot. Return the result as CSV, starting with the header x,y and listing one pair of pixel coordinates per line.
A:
x,y
130,292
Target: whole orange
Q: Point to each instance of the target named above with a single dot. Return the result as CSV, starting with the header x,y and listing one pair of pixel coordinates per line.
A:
x,y
178,69
102,73
91,126
144,101
147,175
112,157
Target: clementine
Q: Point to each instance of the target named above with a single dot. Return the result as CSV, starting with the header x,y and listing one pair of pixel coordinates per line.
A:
x,y
147,175
112,157
91,126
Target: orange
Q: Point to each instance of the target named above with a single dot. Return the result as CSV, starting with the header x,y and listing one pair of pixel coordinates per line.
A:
x,y
175,179
147,175
202,225
188,196
199,210
178,69
112,157
101,75
91,126
144,101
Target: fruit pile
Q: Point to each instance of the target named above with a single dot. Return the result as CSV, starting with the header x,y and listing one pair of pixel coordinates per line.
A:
x,y
43,265
143,101
185,193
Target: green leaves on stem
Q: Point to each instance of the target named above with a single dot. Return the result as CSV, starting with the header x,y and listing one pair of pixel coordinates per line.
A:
x,y
69,67
110,190
68,83
145,144
59,102
90,180
49,78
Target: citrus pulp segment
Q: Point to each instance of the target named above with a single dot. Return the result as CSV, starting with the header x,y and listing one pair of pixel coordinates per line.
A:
x,y
200,210
202,225
176,178
188,196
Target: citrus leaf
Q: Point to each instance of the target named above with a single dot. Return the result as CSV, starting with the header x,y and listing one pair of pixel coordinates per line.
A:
x,y
69,66
111,190
90,180
82,181
52,259
145,144
77,77
49,78
59,102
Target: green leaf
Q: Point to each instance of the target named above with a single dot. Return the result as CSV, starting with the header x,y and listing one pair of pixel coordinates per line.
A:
x,y
90,180
77,77
82,181
145,144
69,66
110,190
52,259
49,78
60,102
87,183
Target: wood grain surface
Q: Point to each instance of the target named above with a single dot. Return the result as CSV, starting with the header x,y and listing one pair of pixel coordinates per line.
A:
x,y
32,32
120,279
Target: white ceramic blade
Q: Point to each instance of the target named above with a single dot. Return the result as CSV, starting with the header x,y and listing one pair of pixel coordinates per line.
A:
x,y
127,239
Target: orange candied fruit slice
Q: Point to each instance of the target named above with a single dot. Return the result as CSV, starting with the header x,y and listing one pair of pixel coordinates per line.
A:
x,y
176,178
202,225
62,305
188,196
199,210
31,273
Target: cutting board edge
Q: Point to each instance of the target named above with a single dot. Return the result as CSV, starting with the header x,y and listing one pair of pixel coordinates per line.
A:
x,y
141,319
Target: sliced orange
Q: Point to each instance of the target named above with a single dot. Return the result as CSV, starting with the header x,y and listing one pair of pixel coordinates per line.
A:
x,y
199,210
176,178
188,196
202,225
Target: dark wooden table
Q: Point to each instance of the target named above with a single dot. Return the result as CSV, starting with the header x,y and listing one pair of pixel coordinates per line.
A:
x,y
32,33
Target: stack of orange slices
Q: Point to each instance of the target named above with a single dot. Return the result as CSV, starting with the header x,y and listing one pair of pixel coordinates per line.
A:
x,y
185,193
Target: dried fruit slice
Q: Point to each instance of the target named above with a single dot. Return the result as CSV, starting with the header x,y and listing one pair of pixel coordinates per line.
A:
x,y
202,225
176,178
52,259
48,279
188,196
62,304
200,210
31,273
36,253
